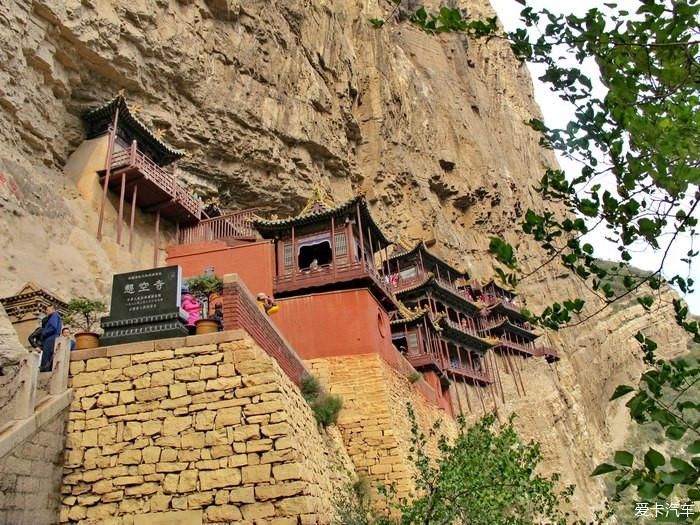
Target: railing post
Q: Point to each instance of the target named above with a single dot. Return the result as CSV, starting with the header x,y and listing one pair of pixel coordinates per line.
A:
x,y
61,361
29,376
132,154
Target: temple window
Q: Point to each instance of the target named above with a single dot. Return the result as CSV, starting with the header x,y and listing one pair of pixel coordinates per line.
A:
x,y
412,340
320,251
341,245
287,255
400,343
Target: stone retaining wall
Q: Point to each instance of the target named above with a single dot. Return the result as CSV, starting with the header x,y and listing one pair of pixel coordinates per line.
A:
x,y
374,421
30,475
206,429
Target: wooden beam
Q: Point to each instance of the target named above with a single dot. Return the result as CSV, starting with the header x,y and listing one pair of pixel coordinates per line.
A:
x,y
131,223
121,209
108,170
157,240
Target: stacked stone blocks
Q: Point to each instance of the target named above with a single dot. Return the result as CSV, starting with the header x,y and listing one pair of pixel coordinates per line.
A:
x,y
215,428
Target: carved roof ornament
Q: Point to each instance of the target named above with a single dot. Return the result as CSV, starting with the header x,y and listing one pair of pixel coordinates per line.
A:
x,y
319,202
321,208
30,301
129,128
425,253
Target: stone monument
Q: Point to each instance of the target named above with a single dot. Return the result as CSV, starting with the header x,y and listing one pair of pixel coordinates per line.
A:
x,y
145,305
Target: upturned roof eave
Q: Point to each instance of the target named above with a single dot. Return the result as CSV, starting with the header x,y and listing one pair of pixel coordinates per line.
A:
x,y
128,119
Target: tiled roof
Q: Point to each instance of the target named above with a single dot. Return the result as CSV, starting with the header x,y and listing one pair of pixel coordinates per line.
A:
x,y
318,210
421,247
98,120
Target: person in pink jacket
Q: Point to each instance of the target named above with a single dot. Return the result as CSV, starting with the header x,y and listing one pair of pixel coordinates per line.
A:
x,y
190,305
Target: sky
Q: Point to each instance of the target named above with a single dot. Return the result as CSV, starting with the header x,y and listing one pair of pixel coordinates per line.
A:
x,y
558,113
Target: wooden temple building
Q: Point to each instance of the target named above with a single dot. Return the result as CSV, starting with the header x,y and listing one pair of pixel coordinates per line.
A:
x,y
330,270
340,290
137,169
327,247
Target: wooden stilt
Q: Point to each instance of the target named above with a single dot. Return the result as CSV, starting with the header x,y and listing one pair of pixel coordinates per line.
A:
x,y
495,360
108,171
481,399
335,262
121,209
362,238
466,395
133,214
294,257
156,246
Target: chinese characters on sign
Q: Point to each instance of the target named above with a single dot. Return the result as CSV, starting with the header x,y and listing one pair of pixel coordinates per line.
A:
x,y
145,305
143,292
665,510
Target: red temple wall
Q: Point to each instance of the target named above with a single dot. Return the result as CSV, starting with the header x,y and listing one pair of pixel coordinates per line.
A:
x,y
333,324
254,262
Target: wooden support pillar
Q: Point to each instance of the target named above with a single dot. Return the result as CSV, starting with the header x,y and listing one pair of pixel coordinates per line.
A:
x,y
133,214
121,209
335,262
108,171
294,257
362,237
156,244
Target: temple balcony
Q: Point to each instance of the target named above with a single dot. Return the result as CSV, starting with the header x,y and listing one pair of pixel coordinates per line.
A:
x,y
499,324
505,344
422,361
421,277
548,353
467,372
151,187
232,226
464,334
333,274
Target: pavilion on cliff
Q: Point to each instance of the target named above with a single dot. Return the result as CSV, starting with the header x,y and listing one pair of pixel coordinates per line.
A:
x,y
327,246
136,169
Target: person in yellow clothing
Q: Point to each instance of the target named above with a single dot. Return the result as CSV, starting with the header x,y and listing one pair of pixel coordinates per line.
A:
x,y
266,304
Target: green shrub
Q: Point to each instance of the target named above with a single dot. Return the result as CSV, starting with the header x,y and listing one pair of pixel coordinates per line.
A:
x,y
326,409
310,388
415,376
83,313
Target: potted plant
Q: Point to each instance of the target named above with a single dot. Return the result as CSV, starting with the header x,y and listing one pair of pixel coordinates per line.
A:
x,y
83,314
203,287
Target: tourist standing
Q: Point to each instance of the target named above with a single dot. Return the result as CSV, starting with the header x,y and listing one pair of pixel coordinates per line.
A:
x,y
66,335
190,305
49,332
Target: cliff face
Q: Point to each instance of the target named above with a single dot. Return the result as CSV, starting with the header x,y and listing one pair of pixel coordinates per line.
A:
x,y
273,98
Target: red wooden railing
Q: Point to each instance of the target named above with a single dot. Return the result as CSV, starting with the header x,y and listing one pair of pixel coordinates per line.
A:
x,y
508,342
422,275
546,352
231,226
151,171
329,273
494,320
468,328
466,370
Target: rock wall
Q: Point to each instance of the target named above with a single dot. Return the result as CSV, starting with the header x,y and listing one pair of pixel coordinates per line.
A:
x,y
271,98
209,425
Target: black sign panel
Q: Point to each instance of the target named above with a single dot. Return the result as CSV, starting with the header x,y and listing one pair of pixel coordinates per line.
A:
x,y
145,293
145,306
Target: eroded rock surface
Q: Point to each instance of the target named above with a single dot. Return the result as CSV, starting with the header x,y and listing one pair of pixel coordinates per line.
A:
x,y
272,98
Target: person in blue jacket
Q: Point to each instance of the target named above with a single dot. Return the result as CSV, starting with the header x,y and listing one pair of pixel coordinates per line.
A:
x,y
49,332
